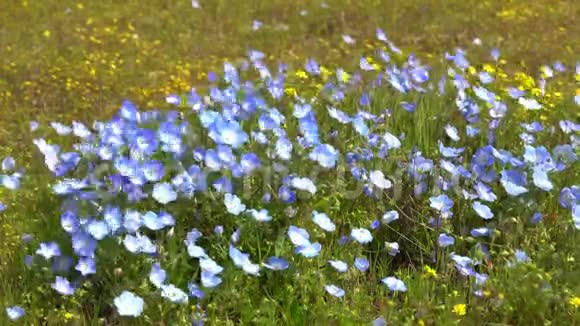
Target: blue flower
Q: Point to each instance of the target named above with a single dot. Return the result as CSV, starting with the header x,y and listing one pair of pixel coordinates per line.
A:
x,y
63,286
261,216
361,235
521,256
8,164
530,104
86,266
334,290
98,229
480,232
514,182
452,132
323,221
129,304
325,155
304,184
339,265
157,275
298,236
482,210
541,179
242,260
390,216
15,312
276,264
173,294
195,291
48,250
361,263
309,250
445,240
210,280
164,193
233,204
378,179
394,284
442,203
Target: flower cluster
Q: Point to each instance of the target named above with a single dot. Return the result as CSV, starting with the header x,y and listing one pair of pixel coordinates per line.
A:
x,y
263,154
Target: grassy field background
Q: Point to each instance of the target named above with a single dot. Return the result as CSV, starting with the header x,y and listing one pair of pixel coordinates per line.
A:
x,y
65,60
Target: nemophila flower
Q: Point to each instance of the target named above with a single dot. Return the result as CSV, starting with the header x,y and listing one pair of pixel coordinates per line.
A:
x,y
233,204
98,229
61,129
482,210
391,141
484,192
242,260
441,203
339,265
375,224
530,104
2,207
283,148
33,126
323,221
195,291
452,132
339,115
298,236
210,280
377,178
69,222
129,304
541,179
445,240
48,250
276,264
303,183
334,290
132,221
569,196
309,250
514,182
392,247
361,235
153,171
261,216
250,162
536,218
325,155
173,293
450,151
521,256
15,312
480,232
394,284
361,263
360,127
409,107
86,266
63,286
139,244
164,193
379,321
8,164
83,244
157,275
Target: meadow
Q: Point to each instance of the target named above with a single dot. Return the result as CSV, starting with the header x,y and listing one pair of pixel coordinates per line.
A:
x,y
289,162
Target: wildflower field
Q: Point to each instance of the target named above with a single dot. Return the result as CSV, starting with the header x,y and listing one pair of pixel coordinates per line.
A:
x,y
264,162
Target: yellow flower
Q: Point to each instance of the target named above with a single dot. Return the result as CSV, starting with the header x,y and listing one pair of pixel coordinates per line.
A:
x,y
290,91
460,309
574,301
301,74
420,322
430,271
46,33
471,70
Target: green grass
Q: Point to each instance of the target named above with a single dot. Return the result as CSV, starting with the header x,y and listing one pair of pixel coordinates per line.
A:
x,y
63,61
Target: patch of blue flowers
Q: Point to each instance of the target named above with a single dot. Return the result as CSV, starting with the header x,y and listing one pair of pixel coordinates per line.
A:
x,y
251,150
